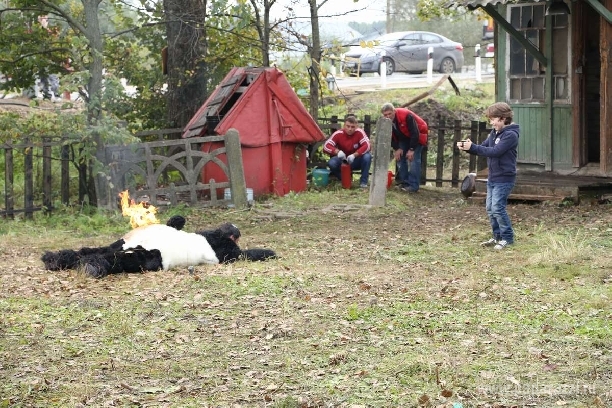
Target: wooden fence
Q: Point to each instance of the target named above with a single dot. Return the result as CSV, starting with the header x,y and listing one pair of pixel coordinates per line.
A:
x,y
166,170
47,176
438,139
170,171
441,147
29,151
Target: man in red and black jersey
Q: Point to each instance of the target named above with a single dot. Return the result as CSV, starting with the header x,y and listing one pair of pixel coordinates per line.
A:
x,y
350,144
409,135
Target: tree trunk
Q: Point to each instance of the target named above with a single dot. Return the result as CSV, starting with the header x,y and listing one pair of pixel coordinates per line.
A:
x,y
389,26
262,25
187,68
265,49
96,182
315,58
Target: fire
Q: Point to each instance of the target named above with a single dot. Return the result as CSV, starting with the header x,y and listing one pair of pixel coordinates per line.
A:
x,y
140,214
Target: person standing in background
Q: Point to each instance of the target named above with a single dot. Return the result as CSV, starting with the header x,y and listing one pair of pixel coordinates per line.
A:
x,y
409,135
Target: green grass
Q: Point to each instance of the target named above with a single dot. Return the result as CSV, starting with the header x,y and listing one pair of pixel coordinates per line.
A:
x,y
373,307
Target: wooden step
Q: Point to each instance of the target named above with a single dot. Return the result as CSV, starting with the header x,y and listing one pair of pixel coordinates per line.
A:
x,y
535,191
479,196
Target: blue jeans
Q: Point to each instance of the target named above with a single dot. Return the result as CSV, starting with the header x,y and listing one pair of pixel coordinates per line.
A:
x,y
497,200
360,163
409,173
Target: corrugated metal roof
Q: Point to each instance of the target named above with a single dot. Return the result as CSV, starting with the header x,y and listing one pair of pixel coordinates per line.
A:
x,y
472,4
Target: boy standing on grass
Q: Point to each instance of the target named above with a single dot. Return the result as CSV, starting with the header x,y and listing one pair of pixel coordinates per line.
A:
x,y
500,149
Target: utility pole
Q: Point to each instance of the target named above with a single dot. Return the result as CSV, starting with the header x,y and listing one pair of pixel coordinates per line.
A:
x,y
389,26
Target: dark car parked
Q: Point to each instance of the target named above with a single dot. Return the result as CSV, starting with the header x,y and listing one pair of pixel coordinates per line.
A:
x,y
406,51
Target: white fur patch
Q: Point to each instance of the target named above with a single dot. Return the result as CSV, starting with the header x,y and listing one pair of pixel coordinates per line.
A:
x,y
178,248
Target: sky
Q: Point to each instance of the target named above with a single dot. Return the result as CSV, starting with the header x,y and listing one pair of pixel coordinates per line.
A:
x,y
343,10
334,16
369,10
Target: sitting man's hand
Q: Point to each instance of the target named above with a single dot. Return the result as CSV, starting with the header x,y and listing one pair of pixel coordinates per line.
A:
x,y
350,158
341,155
397,154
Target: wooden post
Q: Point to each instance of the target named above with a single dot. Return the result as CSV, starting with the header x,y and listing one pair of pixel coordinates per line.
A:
x,y
65,174
213,192
333,124
456,155
102,188
547,132
367,125
440,153
150,172
474,139
83,182
482,136
605,90
236,169
193,192
9,188
172,194
28,179
378,186
47,179
424,151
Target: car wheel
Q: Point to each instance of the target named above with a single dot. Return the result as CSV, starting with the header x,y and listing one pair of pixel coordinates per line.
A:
x,y
447,66
390,66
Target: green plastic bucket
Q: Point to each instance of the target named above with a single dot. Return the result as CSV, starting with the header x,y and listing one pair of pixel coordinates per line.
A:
x,y
320,177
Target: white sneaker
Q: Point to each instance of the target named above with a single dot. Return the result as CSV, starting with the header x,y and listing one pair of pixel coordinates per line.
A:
x,y
501,244
489,243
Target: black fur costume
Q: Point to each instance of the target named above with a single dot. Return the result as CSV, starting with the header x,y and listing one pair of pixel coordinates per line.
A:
x,y
222,240
101,261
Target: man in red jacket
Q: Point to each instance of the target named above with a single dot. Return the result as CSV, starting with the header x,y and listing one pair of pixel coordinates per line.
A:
x,y
351,145
408,136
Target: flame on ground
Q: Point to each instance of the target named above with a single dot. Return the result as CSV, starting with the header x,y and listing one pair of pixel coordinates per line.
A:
x,y
140,214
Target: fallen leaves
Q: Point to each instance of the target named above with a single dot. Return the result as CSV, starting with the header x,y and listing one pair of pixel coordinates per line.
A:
x,y
250,335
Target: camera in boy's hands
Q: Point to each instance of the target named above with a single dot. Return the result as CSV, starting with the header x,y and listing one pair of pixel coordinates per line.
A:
x,y
461,144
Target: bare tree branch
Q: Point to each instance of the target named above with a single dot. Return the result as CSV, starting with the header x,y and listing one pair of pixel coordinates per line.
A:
x,y
32,54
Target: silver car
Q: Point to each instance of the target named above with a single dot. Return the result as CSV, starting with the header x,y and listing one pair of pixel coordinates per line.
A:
x,y
406,51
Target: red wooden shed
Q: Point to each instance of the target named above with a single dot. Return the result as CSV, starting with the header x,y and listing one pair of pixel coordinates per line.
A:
x,y
273,124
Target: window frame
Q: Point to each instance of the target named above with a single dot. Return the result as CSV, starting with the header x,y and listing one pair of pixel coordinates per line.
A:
x,y
526,77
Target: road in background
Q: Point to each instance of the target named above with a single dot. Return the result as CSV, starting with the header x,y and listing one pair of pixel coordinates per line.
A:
x,y
401,80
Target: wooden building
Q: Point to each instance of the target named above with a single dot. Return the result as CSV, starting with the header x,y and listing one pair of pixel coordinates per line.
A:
x,y
553,66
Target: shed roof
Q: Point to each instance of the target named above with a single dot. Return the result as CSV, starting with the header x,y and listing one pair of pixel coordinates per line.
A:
x,y
472,4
